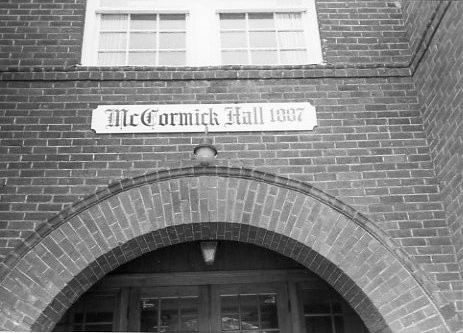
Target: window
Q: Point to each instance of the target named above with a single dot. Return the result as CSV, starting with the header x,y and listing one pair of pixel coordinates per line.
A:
x,y
200,33
170,314
262,38
94,312
139,39
261,301
243,312
325,312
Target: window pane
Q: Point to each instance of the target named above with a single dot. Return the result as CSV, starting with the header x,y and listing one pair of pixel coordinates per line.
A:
x,y
232,21
142,22
142,40
98,328
234,58
289,21
233,39
169,314
249,312
293,57
111,58
316,302
291,40
172,58
338,304
99,317
318,325
339,324
350,322
172,22
149,315
113,3
114,22
229,310
113,41
172,40
97,314
101,305
142,58
263,39
261,21
263,57
268,309
189,314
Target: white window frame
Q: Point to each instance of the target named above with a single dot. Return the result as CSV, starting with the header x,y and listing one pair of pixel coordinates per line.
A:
x,y
247,31
202,18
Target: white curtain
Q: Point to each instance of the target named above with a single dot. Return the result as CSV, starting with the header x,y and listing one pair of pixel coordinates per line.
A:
x,y
114,22
113,3
291,38
124,3
289,21
112,40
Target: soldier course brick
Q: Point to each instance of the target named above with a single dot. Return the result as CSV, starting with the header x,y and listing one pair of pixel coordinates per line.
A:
x,y
328,218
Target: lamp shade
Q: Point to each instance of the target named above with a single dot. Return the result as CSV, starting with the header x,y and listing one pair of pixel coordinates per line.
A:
x,y
208,250
205,151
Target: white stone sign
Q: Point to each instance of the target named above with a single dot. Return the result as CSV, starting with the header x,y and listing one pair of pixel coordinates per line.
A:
x,y
181,118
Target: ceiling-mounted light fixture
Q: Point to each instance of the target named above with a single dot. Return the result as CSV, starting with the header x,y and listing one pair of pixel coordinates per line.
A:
x,y
208,250
205,151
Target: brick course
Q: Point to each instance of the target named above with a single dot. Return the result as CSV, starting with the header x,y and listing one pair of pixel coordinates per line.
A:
x,y
49,33
439,82
369,149
129,215
362,32
41,33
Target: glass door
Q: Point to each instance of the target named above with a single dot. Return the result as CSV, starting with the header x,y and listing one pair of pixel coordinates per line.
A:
x,y
256,308
213,302
167,309
236,308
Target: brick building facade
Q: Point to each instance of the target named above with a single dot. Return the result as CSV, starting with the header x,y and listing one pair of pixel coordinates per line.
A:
x,y
370,200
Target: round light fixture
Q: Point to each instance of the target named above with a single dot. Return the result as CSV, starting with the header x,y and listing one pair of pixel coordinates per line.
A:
x,y
205,152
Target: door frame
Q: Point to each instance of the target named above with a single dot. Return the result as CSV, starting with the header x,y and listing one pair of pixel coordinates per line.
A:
x,y
286,281
205,278
138,294
279,288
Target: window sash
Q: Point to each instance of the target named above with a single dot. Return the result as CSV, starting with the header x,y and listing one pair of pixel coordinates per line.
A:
x,y
275,31
203,24
131,51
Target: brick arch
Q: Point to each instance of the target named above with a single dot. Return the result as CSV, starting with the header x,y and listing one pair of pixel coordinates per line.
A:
x,y
79,246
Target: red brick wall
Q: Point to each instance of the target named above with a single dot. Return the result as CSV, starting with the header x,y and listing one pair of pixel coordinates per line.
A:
x,y
362,31
418,16
139,215
370,149
41,33
49,33
439,81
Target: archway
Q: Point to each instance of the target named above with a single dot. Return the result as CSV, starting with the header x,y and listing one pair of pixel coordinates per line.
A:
x,y
244,287
79,246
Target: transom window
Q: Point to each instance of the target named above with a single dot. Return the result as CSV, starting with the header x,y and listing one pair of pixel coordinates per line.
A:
x,y
288,305
254,313
200,33
169,314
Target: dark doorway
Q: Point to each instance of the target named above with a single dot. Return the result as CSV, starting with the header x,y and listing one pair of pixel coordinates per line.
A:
x,y
247,289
